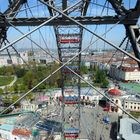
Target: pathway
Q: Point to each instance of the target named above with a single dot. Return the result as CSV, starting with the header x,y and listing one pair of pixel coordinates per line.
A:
x,y
11,84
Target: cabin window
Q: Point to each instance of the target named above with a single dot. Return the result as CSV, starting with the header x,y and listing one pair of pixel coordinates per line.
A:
x,y
9,61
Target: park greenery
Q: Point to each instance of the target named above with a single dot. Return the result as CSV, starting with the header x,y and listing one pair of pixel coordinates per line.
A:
x,y
100,77
5,80
27,78
135,114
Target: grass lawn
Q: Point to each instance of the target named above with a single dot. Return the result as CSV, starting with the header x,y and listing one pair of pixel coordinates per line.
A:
x,y
135,114
5,80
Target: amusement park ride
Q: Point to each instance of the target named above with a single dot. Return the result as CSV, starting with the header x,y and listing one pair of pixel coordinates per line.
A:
x,y
70,19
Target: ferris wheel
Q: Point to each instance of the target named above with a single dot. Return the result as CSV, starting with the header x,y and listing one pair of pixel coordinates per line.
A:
x,y
73,28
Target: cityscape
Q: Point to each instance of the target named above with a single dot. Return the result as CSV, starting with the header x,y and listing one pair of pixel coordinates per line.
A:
x,y
69,70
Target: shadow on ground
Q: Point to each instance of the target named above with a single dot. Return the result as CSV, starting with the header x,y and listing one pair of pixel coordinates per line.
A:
x,y
113,131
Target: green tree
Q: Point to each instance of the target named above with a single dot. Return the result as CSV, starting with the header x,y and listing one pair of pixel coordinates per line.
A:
x,y
29,79
22,87
83,69
41,87
14,97
20,72
100,78
30,96
52,82
9,70
2,71
15,87
11,89
1,91
105,83
6,89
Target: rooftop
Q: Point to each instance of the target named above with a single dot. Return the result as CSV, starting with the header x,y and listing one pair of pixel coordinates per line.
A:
x,y
114,92
26,120
7,127
132,98
129,69
129,129
135,87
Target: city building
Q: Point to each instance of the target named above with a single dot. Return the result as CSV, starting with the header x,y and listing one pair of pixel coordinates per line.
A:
x,y
34,105
37,56
122,99
115,96
132,104
40,57
28,106
18,126
124,73
129,129
87,96
14,58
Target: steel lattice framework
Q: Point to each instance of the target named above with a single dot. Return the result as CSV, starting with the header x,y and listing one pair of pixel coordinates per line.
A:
x,y
129,16
69,32
69,42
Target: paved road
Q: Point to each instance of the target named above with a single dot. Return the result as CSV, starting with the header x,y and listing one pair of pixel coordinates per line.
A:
x,y
94,127
91,124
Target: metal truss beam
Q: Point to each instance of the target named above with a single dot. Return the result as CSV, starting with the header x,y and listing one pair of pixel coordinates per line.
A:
x,y
14,6
64,5
10,12
54,73
50,10
20,38
121,10
82,26
135,13
132,30
85,7
23,96
65,51
62,21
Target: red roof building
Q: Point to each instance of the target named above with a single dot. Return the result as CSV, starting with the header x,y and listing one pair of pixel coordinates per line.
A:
x,y
129,69
114,92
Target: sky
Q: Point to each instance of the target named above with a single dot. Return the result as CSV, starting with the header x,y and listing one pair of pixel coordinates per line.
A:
x,y
115,35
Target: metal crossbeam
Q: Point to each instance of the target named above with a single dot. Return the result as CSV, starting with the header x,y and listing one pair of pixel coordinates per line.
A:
x,y
10,12
132,31
130,18
85,7
65,51
64,5
14,6
98,36
51,10
61,21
